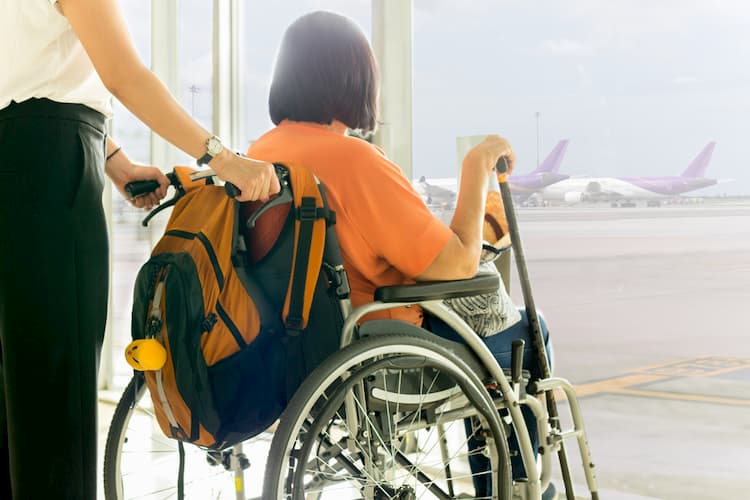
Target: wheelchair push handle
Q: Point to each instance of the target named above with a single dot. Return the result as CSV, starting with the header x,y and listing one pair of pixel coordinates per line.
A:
x,y
140,188
232,190
136,189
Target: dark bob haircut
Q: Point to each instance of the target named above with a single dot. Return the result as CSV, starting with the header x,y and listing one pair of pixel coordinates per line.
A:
x,y
325,71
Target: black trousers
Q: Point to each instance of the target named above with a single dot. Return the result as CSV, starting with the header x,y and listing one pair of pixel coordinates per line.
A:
x,y
53,298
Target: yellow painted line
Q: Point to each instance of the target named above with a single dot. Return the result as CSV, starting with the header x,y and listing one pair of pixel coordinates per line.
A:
x,y
684,397
613,384
688,367
697,367
662,365
725,370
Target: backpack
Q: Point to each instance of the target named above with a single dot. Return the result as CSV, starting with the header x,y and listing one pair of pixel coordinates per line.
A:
x,y
240,336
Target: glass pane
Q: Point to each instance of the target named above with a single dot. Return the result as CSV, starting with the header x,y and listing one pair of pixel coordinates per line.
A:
x,y
196,62
639,89
128,130
129,240
263,25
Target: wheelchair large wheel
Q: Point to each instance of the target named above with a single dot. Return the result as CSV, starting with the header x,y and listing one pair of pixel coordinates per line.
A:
x,y
388,418
140,462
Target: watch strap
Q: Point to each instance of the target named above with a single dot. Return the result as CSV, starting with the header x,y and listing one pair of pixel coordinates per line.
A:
x,y
203,160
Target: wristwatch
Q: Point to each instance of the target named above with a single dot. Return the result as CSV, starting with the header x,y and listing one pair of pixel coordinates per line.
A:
x,y
213,148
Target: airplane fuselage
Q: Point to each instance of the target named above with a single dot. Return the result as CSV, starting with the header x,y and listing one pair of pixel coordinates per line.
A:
x,y
623,188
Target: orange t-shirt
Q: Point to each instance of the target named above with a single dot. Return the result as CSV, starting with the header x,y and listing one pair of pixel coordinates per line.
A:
x,y
386,233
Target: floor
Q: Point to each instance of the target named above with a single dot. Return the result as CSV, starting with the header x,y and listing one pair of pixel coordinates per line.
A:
x,y
647,309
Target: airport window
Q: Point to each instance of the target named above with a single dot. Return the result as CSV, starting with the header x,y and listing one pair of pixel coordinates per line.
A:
x,y
638,90
130,243
195,51
130,132
644,298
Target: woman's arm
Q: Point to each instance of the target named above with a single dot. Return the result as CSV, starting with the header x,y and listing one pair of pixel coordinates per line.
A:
x,y
459,259
100,26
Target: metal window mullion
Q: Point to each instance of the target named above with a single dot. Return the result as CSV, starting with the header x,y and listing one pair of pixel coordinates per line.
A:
x,y
226,70
392,44
165,64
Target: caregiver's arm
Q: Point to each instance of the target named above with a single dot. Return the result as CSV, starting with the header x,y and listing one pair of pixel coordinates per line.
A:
x,y
100,26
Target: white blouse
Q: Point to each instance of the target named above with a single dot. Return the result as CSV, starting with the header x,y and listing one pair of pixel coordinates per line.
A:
x,y
41,56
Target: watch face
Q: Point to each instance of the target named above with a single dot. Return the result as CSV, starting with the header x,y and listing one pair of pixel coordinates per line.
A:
x,y
214,146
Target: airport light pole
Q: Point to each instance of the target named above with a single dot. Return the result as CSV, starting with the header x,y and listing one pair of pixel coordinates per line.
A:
x,y
537,114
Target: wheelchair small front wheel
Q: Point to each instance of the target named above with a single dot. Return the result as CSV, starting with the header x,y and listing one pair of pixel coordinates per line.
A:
x,y
390,416
141,462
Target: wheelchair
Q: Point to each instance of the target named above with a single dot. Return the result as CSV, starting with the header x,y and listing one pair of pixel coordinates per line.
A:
x,y
397,413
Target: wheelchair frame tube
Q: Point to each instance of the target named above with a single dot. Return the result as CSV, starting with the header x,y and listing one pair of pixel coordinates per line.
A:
x,y
579,430
436,307
545,450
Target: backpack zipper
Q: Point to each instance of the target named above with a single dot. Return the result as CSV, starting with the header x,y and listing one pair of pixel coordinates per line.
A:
x,y
230,326
153,327
207,246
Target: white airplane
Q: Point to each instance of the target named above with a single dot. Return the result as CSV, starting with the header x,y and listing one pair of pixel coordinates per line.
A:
x,y
437,192
626,190
441,192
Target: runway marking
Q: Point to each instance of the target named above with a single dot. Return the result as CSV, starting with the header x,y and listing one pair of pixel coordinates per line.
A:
x,y
685,397
708,366
615,384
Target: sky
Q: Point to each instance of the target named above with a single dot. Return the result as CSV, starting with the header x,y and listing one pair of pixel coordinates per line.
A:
x,y
638,86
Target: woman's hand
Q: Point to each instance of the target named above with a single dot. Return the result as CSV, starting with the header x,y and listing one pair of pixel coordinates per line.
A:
x,y
486,154
121,171
255,179
459,258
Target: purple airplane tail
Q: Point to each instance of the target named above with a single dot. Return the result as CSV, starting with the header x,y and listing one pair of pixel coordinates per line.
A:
x,y
697,167
553,160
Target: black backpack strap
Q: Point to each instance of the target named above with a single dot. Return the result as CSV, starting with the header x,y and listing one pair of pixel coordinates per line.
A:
x,y
306,216
311,220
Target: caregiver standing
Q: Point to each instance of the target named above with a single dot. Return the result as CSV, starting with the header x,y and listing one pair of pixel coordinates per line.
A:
x,y
60,63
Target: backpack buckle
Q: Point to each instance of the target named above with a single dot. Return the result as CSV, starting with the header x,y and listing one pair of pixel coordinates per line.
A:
x,y
307,211
293,326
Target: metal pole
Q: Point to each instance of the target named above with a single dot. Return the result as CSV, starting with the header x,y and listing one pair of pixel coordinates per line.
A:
x,y
226,72
392,44
165,57
537,137
531,314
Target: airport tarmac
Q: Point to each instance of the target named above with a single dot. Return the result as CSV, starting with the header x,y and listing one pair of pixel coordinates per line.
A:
x,y
648,312
647,309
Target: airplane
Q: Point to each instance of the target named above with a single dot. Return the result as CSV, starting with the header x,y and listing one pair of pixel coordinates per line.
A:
x,y
442,192
437,192
545,174
625,190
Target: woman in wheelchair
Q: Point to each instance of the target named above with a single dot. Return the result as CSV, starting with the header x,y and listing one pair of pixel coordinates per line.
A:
x,y
326,82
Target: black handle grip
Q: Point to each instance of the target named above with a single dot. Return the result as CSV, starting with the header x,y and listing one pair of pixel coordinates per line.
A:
x,y
280,170
516,360
232,190
136,189
501,166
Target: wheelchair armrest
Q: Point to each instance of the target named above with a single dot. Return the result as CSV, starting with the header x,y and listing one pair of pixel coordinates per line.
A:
x,y
436,290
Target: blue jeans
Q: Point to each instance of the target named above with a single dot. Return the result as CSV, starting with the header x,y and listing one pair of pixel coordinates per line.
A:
x,y
500,345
